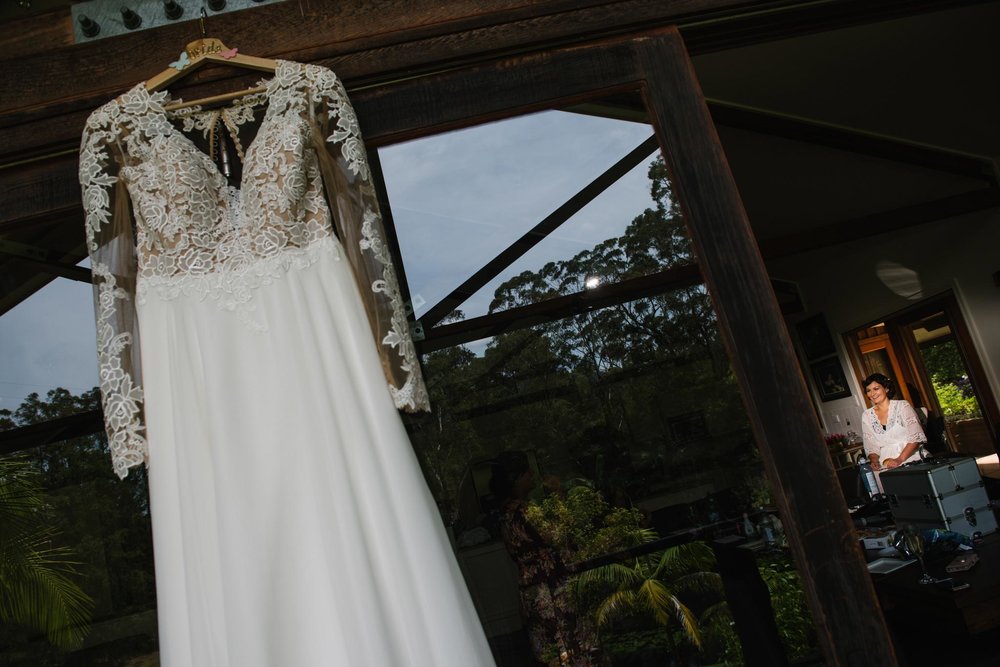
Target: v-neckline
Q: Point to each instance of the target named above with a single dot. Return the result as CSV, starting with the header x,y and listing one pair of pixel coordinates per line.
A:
x,y
888,414
171,130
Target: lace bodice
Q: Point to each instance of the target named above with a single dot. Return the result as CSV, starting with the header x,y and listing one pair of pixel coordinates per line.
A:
x,y
305,184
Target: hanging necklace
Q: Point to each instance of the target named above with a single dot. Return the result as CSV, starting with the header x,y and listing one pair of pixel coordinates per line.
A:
x,y
217,141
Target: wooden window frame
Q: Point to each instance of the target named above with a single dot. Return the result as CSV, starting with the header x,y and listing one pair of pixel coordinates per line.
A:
x,y
656,65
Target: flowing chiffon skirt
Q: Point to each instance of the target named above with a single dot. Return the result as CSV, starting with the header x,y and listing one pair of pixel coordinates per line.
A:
x,y
292,525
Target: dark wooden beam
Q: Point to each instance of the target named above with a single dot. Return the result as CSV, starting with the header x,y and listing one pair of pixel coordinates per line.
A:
x,y
853,140
407,36
550,310
379,42
839,589
807,130
54,430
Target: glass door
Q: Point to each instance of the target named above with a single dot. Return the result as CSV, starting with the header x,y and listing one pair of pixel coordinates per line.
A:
x,y
958,416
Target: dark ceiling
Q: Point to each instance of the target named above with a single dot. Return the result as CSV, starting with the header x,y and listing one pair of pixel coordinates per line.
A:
x,y
831,136
904,109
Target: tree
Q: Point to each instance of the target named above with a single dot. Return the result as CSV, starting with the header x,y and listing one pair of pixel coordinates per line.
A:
x,y
652,586
38,578
675,324
103,519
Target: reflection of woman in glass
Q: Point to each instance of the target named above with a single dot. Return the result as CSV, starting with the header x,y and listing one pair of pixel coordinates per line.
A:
x,y
547,606
890,429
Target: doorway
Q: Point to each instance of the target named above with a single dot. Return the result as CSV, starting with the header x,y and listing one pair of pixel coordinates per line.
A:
x,y
928,351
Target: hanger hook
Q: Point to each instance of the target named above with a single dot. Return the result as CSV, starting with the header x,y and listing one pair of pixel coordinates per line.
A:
x,y
204,15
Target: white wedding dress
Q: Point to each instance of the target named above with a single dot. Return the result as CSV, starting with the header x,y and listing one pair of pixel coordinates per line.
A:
x,y
292,525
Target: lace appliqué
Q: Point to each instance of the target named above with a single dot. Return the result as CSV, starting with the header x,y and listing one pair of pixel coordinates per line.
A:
x,y
196,234
413,394
347,136
233,290
121,399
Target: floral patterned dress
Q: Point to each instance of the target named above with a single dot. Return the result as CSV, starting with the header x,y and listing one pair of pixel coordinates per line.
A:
x,y
558,636
267,319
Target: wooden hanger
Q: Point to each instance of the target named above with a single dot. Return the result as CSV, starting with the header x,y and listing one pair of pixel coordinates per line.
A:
x,y
208,50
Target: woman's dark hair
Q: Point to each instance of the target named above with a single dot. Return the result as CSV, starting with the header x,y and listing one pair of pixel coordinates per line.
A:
x,y
887,384
506,468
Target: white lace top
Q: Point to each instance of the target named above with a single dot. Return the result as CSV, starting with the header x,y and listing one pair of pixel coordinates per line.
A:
x,y
901,427
305,178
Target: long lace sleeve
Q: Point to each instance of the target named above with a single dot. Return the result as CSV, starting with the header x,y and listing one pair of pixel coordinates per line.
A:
x,y
911,422
868,433
358,223
111,246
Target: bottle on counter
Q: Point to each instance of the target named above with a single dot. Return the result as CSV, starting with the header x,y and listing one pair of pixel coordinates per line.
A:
x,y
868,477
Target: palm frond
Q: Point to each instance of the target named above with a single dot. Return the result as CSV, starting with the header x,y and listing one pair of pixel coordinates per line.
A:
x,y
614,574
44,597
656,597
614,605
700,582
685,557
36,577
689,621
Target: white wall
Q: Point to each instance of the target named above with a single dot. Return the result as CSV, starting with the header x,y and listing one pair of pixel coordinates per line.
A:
x,y
861,282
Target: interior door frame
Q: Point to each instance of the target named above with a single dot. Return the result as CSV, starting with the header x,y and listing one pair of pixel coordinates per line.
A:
x,y
655,64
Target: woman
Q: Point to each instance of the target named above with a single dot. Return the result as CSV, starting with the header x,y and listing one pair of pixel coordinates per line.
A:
x,y
890,429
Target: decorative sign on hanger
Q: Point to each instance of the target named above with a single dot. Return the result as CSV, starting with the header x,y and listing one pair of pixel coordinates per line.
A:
x,y
97,19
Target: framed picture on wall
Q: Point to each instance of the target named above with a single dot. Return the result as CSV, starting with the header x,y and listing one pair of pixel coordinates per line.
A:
x,y
830,380
814,336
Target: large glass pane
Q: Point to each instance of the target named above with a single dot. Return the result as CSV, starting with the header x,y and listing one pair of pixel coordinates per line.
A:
x,y
501,180
961,408
77,547
48,341
583,463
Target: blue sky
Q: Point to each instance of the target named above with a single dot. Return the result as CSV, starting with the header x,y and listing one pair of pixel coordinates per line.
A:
x,y
458,199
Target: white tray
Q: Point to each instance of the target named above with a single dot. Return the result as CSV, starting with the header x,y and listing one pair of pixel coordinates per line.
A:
x,y
887,565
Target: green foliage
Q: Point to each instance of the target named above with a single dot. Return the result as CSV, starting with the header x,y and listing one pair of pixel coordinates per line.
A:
x,y
791,614
665,589
643,590
955,402
679,324
103,520
582,524
38,576
788,600
944,361
623,648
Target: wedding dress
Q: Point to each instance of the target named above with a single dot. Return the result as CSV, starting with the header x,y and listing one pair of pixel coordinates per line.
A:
x,y
292,525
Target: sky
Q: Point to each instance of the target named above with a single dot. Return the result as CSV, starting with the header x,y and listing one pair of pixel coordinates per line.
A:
x,y
458,199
